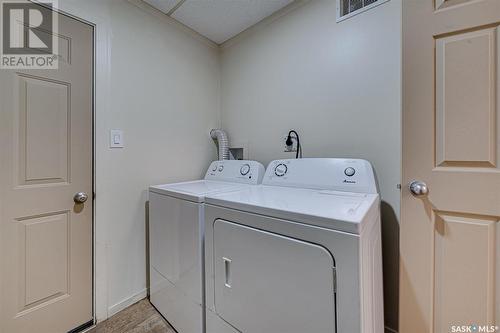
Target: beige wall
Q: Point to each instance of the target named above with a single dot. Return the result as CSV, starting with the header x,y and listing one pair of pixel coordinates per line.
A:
x,y
160,84
337,84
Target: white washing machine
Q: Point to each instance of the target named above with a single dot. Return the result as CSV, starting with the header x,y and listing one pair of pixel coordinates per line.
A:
x,y
176,229
300,253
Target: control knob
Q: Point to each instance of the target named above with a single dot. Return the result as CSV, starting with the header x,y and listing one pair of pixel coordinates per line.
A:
x,y
349,172
245,169
281,170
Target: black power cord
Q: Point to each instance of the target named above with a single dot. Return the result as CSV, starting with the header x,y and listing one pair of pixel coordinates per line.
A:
x,y
289,142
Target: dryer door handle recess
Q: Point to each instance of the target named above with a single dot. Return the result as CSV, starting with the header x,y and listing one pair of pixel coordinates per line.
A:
x,y
227,272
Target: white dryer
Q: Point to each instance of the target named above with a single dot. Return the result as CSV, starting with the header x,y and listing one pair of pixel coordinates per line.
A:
x,y
176,229
300,253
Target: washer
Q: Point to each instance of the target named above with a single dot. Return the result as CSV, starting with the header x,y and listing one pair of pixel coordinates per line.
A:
x,y
176,229
300,253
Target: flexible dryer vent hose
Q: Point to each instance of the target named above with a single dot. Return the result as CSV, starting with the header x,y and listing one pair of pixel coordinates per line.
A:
x,y
223,141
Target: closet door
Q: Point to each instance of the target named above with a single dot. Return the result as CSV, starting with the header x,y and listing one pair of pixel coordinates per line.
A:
x,y
450,213
270,283
46,182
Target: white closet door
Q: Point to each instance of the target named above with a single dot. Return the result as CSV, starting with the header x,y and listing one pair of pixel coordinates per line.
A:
x,y
270,283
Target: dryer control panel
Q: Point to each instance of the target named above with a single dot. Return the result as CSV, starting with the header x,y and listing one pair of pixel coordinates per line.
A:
x,y
334,174
247,172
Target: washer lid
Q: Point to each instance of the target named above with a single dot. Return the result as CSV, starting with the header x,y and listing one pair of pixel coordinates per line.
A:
x,y
344,211
196,190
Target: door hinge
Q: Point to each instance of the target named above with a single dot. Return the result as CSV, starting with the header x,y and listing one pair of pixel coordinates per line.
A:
x,y
334,280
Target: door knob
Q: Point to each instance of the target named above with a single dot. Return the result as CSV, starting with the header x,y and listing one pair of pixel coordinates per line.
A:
x,y
80,197
418,188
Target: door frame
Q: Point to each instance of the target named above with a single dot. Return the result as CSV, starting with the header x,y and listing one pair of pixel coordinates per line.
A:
x,y
76,16
102,86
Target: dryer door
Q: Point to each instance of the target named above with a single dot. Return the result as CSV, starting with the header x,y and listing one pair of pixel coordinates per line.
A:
x,y
265,282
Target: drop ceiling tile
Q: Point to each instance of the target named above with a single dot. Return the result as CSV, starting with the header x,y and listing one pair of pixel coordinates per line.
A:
x,y
220,20
164,5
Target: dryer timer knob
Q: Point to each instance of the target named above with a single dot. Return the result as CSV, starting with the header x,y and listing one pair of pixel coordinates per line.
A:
x,y
349,172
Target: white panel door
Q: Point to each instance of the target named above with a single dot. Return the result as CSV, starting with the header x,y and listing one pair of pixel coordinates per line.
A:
x,y
270,283
46,158
450,244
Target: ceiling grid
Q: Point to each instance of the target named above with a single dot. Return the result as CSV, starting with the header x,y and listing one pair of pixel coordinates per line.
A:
x,y
219,20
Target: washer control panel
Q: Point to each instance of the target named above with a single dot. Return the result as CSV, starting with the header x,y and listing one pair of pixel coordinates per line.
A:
x,y
335,174
247,172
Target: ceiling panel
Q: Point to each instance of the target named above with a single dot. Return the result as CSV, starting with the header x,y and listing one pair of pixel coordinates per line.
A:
x,y
164,5
220,20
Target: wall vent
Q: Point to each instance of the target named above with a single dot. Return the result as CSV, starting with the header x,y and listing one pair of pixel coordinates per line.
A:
x,y
349,8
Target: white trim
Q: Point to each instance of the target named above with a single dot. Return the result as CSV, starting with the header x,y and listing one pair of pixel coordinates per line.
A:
x,y
102,70
359,11
89,329
390,330
122,305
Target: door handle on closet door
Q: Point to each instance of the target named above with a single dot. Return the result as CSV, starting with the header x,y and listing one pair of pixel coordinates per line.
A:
x,y
80,197
418,188
227,272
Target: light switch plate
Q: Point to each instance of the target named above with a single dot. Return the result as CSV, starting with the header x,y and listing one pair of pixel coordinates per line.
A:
x,y
116,139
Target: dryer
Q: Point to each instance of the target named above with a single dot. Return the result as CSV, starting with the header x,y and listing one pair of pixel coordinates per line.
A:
x,y
300,253
176,231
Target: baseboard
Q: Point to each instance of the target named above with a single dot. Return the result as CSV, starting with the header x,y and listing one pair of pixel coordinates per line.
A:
x,y
390,330
114,309
89,329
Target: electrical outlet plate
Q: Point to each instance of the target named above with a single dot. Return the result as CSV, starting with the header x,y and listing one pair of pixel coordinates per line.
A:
x,y
293,147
